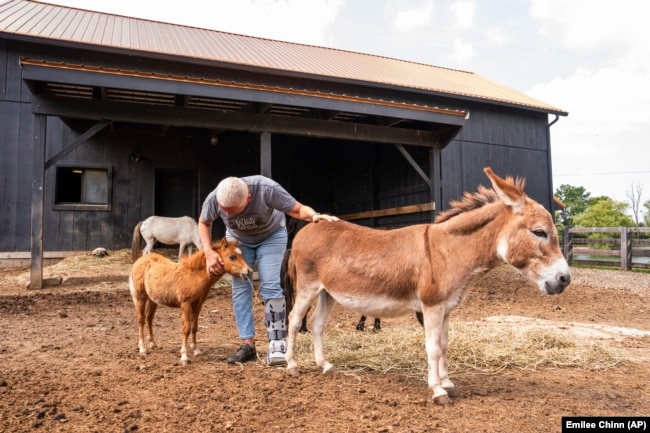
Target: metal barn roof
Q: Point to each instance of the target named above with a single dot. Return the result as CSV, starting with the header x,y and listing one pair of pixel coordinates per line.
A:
x,y
38,21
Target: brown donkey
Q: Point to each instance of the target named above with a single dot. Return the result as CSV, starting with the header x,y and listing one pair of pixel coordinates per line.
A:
x,y
156,280
424,268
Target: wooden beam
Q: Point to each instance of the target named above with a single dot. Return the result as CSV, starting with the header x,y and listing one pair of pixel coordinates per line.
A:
x,y
38,194
76,143
232,121
414,164
402,210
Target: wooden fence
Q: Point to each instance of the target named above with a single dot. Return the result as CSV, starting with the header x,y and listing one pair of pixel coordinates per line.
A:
x,y
623,247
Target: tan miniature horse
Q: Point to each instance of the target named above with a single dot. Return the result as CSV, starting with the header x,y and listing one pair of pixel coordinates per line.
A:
x,y
425,267
156,280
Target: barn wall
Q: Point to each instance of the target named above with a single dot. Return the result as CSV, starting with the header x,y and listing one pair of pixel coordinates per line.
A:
x,y
331,175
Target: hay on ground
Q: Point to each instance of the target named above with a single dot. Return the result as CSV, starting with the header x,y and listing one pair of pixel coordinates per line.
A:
x,y
473,348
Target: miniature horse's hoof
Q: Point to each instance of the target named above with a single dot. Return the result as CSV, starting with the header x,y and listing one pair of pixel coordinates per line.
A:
x,y
293,371
185,362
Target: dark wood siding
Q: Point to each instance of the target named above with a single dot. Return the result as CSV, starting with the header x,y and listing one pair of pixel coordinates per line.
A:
x,y
333,176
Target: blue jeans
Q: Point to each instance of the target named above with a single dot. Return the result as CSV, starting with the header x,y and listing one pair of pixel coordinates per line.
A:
x,y
268,254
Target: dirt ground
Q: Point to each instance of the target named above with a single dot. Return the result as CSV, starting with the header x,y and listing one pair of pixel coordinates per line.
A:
x,y
69,363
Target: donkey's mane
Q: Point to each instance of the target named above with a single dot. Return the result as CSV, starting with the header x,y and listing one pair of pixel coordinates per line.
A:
x,y
477,200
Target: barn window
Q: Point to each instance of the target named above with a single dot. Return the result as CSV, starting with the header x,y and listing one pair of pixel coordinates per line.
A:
x,y
83,188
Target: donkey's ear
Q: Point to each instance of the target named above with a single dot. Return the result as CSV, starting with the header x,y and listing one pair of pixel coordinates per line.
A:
x,y
507,191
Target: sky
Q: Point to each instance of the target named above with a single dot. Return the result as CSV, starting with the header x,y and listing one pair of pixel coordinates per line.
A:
x,y
590,58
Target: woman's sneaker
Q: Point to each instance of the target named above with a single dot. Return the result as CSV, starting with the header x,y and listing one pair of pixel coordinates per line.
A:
x,y
243,354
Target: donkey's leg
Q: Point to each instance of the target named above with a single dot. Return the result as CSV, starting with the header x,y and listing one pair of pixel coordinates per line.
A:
x,y
187,320
443,371
325,304
151,307
361,325
377,325
301,306
433,329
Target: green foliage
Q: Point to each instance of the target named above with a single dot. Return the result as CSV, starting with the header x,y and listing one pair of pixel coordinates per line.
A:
x,y
604,212
646,219
575,198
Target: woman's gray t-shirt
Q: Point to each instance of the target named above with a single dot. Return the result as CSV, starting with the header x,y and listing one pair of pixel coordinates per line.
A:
x,y
263,215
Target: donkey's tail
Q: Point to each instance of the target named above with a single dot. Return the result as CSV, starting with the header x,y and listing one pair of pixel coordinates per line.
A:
x,y
287,275
136,244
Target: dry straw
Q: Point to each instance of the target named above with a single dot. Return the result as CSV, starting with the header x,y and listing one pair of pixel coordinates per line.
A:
x,y
474,348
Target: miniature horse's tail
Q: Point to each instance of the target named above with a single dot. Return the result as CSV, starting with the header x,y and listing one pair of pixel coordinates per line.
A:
x,y
136,244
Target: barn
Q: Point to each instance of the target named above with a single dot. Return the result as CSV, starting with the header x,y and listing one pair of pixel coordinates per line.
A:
x,y
106,120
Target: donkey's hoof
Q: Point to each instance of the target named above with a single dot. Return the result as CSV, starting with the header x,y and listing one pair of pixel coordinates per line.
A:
x,y
293,371
329,371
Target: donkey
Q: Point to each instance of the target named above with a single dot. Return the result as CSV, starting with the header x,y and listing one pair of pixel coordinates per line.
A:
x,y
155,280
426,268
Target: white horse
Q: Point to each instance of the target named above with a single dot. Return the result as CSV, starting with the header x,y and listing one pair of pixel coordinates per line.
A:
x,y
182,231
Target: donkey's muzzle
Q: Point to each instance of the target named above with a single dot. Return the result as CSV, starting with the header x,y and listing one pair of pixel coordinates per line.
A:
x,y
561,281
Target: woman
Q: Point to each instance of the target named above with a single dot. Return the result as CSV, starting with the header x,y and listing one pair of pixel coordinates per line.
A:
x,y
253,209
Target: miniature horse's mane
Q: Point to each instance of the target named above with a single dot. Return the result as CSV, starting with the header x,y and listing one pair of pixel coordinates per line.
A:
x,y
197,260
477,200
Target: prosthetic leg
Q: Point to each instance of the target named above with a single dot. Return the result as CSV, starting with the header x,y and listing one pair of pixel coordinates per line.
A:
x,y
275,317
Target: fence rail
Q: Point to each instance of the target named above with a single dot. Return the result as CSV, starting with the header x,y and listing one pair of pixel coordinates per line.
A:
x,y
624,247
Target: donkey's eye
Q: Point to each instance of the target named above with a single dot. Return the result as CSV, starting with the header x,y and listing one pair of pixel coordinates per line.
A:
x,y
232,257
540,233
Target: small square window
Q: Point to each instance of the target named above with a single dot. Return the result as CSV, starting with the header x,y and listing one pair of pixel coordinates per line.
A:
x,y
83,188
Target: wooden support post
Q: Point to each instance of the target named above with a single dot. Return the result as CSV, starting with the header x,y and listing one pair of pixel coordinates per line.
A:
x,y
38,194
568,246
626,249
265,154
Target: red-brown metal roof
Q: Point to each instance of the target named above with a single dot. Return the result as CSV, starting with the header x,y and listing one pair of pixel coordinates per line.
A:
x,y
36,20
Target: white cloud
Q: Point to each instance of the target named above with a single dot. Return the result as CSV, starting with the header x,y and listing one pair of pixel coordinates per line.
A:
x,y
495,36
410,18
592,24
463,52
462,13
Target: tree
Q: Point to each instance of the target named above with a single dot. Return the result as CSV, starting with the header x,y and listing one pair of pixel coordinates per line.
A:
x,y
646,219
634,195
604,212
575,198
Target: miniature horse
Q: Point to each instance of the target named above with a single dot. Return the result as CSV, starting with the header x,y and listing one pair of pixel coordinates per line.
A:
x,y
426,267
156,280
183,231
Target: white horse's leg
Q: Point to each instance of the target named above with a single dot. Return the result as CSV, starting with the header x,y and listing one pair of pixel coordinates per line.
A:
x,y
150,240
433,329
325,304
298,311
181,250
443,370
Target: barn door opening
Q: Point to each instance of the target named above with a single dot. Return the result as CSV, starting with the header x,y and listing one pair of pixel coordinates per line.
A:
x,y
176,192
